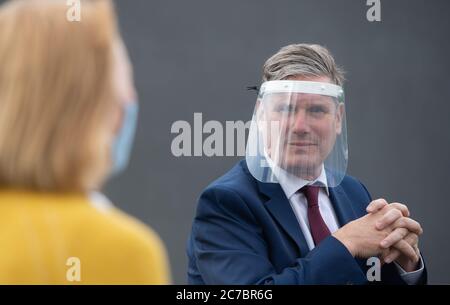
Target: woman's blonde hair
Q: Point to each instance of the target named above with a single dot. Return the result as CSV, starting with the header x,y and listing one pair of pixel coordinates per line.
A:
x,y
56,94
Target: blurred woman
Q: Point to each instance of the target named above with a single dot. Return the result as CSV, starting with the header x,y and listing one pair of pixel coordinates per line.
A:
x,y
67,118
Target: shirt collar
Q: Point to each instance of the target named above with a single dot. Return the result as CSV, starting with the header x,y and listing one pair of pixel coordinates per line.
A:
x,y
291,183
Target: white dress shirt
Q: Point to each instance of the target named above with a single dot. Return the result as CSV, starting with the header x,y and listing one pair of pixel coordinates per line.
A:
x,y
292,184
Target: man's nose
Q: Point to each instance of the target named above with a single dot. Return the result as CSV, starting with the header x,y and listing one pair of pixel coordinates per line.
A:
x,y
300,122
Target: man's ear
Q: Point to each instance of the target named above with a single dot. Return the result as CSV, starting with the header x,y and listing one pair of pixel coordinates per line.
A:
x,y
339,117
259,111
258,104
262,123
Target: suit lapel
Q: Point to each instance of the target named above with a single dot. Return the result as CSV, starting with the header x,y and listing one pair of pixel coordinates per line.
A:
x,y
345,213
342,205
280,208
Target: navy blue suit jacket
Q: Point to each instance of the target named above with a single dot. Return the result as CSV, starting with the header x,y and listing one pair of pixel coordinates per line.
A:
x,y
245,232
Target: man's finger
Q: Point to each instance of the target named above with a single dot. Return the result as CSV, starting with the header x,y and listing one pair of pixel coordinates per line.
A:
x,y
401,207
408,223
389,218
391,253
412,239
376,205
405,249
394,237
416,248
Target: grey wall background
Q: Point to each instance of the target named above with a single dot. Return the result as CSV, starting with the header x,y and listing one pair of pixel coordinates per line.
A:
x,y
198,56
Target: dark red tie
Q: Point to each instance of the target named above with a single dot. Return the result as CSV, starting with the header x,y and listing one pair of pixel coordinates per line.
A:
x,y
317,226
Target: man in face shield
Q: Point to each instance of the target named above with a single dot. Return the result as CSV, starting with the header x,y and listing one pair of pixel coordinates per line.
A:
x,y
289,214
300,128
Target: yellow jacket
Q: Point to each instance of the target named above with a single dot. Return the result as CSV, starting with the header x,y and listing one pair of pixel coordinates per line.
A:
x,y
72,239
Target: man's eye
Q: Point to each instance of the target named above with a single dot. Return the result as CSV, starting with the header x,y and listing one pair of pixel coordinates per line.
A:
x,y
317,109
285,108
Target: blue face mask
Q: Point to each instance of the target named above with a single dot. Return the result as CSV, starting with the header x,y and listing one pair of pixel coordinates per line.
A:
x,y
121,148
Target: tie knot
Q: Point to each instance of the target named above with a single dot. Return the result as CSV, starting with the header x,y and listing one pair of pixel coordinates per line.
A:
x,y
312,194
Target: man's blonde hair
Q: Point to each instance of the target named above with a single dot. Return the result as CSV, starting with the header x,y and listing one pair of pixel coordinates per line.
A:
x,y
310,60
55,94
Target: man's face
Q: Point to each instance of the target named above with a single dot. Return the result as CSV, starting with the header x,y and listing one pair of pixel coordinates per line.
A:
x,y
302,129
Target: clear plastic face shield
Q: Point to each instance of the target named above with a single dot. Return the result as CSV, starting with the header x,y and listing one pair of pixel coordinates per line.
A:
x,y
298,128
